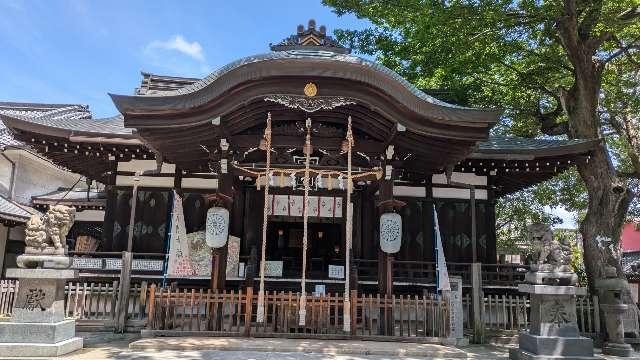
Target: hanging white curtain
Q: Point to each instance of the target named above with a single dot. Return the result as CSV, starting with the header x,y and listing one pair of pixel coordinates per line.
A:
x,y
441,262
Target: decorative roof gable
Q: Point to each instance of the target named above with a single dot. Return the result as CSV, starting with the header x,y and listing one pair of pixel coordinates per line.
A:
x,y
311,39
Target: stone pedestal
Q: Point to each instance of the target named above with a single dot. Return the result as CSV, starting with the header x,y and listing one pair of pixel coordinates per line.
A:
x,y
38,326
553,332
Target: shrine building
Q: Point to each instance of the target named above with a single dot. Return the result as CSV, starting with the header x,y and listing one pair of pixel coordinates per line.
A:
x,y
245,141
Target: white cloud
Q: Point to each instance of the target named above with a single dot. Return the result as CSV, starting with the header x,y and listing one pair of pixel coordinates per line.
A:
x,y
180,44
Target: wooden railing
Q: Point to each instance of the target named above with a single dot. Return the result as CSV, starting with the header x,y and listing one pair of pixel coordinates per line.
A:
x,y
175,311
424,272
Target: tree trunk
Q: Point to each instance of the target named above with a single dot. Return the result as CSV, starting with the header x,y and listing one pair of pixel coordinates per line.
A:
x,y
609,197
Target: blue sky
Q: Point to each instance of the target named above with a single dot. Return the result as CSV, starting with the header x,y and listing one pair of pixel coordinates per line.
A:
x,y
77,51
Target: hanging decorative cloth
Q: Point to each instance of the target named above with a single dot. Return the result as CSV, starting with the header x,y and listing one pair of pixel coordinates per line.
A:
x,y
348,237
305,220
267,138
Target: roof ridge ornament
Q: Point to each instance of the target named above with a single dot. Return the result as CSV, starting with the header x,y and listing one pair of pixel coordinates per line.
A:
x,y
310,39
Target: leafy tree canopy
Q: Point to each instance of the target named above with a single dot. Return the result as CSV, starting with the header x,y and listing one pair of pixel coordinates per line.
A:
x,y
508,54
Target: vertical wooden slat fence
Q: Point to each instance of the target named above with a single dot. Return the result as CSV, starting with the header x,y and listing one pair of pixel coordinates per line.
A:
x,y
511,313
8,291
233,313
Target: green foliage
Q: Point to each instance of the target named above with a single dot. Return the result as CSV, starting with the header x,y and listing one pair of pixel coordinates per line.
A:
x,y
513,214
508,54
577,259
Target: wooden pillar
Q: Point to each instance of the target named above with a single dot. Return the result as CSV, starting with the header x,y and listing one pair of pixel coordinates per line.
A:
x,y
122,304
109,218
385,261
474,227
132,216
225,198
477,298
428,227
219,256
491,256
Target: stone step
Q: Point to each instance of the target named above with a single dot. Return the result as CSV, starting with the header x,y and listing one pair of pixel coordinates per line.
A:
x,y
333,347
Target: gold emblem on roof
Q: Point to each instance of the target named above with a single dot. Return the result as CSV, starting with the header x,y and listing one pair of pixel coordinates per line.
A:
x,y
310,89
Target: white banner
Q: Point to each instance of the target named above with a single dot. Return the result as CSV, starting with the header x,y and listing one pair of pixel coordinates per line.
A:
x,y
188,253
441,262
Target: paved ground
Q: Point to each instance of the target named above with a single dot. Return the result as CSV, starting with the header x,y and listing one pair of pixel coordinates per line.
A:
x,y
117,347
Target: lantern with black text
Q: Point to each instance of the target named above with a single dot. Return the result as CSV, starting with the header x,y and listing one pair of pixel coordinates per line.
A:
x,y
217,230
390,232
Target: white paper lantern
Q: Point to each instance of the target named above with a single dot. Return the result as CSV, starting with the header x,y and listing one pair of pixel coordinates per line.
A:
x,y
217,230
390,232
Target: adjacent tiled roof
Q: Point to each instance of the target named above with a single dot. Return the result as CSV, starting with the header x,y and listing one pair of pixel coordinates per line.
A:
x,y
505,143
75,197
12,211
515,145
7,139
63,116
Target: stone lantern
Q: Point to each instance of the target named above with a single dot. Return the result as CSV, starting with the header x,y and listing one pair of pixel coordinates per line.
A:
x,y
610,289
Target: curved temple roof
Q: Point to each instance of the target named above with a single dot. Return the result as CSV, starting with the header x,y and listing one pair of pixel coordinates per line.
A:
x,y
172,114
310,64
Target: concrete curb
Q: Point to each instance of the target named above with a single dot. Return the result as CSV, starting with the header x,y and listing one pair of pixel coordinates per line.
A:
x,y
302,346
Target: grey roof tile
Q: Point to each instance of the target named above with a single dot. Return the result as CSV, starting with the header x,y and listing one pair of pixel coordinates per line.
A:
x,y
518,143
63,116
7,139
10,210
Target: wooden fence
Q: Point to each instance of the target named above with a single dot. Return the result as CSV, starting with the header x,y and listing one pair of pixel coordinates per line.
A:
x,y
229,312
511,313
8,291
94,306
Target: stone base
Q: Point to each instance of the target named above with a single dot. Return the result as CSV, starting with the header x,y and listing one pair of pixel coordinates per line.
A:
x,y
622,350
555,347
12,350
518,354
46,333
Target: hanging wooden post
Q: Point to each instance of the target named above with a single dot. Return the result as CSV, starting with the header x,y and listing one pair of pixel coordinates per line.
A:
x,y
267,149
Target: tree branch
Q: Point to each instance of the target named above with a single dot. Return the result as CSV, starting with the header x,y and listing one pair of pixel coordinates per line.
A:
x,y
624,50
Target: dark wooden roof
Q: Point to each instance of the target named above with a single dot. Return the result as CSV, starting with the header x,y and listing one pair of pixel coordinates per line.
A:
x,y
77,198
69,136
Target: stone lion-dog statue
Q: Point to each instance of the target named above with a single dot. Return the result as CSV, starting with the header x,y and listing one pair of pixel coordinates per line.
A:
x,y
45,238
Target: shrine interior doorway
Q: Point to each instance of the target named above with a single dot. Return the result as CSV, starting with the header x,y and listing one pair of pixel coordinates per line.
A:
x,y
325,247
